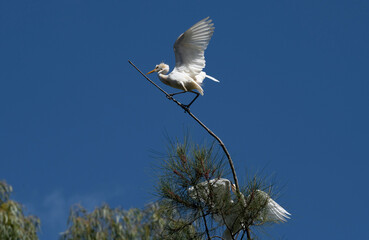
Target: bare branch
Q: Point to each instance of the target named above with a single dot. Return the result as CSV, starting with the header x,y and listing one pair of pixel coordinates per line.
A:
x,y
205,223
248,233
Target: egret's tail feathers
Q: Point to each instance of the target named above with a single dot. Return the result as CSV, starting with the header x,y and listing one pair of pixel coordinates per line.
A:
x,y
210,77
200,78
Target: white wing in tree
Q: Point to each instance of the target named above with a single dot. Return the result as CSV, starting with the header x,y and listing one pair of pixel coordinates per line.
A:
x,y
272,212
220,188
190,46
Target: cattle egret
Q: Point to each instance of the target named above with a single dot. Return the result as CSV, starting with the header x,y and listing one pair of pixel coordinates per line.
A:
x,y
221,189
189,48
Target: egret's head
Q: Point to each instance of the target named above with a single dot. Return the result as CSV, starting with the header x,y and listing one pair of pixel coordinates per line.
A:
x,y
161,68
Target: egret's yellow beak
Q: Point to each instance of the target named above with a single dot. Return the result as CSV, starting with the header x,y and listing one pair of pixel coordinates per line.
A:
x,y
151,72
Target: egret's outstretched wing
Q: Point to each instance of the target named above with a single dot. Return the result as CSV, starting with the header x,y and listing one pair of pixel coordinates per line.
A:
x,y
190,46
273,212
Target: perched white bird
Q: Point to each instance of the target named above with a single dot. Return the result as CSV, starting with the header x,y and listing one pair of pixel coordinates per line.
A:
x,y
189,49
221,188
220,194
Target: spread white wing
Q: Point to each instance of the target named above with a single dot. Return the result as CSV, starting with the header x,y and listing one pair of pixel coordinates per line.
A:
x,y
190,46
273,212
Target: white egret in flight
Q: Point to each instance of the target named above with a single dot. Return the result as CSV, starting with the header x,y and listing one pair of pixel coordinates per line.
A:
x,y
189,49
221,189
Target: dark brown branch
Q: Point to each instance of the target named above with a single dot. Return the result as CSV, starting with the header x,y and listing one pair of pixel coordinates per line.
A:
x,y
243,234
223,147
248,233
228,228
203,125
205,223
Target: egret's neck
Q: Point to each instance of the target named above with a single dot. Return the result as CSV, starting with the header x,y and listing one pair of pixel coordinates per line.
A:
x,y
163,78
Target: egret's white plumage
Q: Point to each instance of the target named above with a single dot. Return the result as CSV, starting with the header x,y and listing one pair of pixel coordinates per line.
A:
x,y
272,211
221,188
189,48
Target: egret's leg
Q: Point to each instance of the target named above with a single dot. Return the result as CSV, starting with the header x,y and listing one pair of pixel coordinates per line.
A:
x,y
188,105
172,94
193,100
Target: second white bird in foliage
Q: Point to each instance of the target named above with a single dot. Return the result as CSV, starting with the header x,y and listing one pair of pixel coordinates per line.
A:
x,y
189,49
216,191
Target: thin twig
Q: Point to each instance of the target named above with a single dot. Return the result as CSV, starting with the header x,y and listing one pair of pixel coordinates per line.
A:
x,y
228,228
243,234
206,225
203,125
248,233
223,147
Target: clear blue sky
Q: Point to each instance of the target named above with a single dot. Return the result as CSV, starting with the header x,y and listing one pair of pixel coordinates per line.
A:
x,y
77,122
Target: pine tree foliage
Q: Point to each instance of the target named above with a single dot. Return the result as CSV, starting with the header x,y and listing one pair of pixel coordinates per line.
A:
x,y
194,185
13,223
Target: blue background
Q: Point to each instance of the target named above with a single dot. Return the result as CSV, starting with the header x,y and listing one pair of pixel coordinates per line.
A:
x,y
78,123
